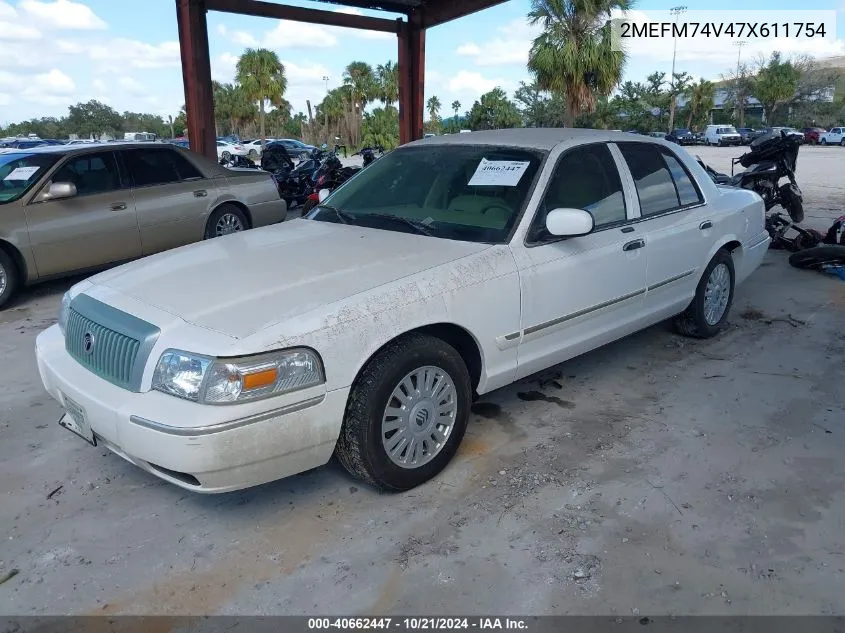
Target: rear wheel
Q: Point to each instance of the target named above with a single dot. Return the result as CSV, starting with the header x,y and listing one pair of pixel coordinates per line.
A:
x,y
9,278
815,258
225,220
407,414
842,142
226,155
708,312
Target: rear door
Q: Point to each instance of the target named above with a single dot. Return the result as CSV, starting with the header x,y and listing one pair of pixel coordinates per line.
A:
x,y
97,226
172,197
676,221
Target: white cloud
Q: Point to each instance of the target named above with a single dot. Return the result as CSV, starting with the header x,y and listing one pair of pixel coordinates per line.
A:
x,y
221,29
63,14
223,67
131,86
244,39
99,85
7,11
511,47
52,88
293,34
474,84
5,99
69,47
118,54
11,32
367,35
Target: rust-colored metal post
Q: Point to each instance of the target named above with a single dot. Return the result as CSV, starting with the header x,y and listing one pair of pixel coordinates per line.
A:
x,y
411,78
196,76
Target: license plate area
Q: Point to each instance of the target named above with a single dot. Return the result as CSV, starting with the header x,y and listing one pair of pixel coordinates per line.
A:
x,y
76,421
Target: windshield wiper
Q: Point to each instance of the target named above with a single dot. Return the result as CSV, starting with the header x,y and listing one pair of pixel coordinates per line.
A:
x,y
418,226
341,215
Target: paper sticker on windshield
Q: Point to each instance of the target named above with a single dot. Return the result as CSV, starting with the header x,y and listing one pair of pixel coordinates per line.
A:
x,y
21,173
498,173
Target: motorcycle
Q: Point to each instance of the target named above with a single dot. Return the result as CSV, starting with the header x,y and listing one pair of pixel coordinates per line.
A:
x,y
330,176
241,162
369,154
769,159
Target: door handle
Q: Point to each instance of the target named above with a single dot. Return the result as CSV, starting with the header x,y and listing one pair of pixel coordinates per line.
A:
x,y
634,245
627,229
201,193
705,225
118,206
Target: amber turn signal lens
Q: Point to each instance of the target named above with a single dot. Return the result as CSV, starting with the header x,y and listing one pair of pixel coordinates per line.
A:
x,y
259,379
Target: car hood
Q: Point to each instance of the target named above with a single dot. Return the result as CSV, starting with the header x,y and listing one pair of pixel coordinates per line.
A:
x,y
242,283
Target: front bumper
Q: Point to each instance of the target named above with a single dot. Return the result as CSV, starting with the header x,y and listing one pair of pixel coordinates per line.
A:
x,y
203,448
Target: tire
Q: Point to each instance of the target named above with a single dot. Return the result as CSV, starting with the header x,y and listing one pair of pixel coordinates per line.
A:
x,y
842,142
9,278
362,447
814,258
226,219
697,321
253,154
226,155
824,141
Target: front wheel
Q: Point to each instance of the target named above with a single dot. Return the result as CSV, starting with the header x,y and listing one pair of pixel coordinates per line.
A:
x,y
225,220
226,156
824,141
815,258
708,312
407,414
9,279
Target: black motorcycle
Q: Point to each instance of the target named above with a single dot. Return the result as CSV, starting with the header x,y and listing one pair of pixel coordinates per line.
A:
x,y
769,159
241,162
330,176
369,154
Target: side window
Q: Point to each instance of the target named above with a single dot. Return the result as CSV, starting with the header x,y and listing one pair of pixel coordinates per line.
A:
x,y
184,167
151,167
90,173
585,178
662,182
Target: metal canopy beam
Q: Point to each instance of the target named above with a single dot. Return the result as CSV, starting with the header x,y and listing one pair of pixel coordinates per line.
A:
x,y
440,11
196,76
262,9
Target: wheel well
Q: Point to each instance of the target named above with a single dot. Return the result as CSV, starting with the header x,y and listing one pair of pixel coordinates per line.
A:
x,y
454,335
240,205
17,258
732,246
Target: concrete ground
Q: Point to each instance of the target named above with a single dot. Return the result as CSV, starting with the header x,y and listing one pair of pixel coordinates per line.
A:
x,y
657,475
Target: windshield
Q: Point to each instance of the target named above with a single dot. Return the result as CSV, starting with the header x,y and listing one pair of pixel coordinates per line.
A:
x,y
19,172
471,193
726,130
681,131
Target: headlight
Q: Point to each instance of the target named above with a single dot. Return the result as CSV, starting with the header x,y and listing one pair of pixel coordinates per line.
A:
x,y
64,310
228,380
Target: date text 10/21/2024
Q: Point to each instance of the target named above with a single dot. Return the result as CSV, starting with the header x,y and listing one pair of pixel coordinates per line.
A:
x,y
416,624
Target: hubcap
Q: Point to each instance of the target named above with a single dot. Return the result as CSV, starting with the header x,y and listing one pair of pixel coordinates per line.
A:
x,y
716,294
419,417
3,281
228,223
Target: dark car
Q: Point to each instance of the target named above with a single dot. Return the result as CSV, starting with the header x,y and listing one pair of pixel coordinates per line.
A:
x,y
813,134
294,148
746,135
682,136
25,143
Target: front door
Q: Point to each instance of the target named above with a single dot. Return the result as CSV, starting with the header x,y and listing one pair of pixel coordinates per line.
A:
x,y
171,196
95,227
679,227
581,292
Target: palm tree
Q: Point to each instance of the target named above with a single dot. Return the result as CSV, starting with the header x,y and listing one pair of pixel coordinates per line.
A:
x,y
573,56
262,78
701,99
387,78
433,105
361,80
456,105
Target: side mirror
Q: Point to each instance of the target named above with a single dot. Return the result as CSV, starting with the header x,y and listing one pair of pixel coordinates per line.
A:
x,y
323,194
59,190
569,222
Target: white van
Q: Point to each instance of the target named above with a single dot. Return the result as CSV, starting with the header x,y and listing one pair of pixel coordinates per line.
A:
x,y
722,135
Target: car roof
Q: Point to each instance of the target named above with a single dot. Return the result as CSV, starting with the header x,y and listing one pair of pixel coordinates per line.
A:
x,y
538,138
85,147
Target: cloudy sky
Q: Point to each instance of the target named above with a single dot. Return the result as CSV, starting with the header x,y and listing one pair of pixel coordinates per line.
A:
x,y
125,52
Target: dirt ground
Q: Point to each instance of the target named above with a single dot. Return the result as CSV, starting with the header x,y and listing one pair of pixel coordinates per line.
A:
x,y
658,475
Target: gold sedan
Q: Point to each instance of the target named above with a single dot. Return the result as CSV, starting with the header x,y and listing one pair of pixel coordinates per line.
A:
x,y
74,208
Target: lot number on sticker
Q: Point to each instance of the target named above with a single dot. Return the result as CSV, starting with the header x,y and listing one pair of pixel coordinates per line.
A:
x,y
498,173
22,173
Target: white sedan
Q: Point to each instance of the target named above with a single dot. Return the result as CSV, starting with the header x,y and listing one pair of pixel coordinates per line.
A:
x,y
226,150
451,267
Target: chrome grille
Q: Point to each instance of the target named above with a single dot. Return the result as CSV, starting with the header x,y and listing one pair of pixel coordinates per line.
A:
x,y
111,356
